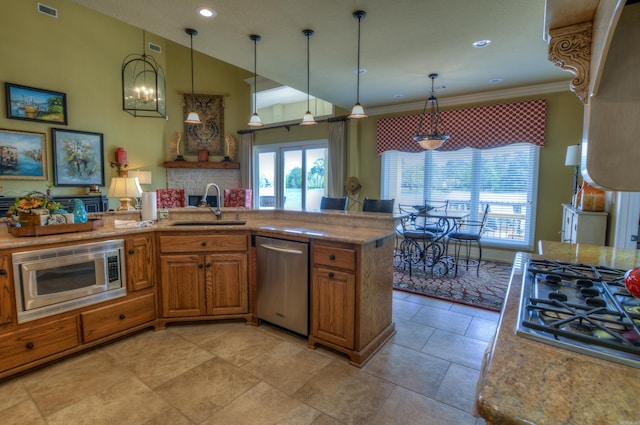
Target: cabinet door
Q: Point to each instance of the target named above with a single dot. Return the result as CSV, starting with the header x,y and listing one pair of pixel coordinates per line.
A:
x,y
333,296
182,285
139,261
227,283
6,299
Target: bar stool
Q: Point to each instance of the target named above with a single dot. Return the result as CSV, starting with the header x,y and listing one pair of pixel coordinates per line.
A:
x,y
465,235
327,203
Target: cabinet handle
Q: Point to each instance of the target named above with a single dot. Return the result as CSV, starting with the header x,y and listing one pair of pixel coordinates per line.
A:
x,y
3,272
332,257
29,345
331,275
208,265
200,266
131,251
203,244
122,317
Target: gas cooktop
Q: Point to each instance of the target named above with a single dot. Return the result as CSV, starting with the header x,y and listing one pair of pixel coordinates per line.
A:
x,y
580,307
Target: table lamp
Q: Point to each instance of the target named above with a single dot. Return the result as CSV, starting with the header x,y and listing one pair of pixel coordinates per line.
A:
x,y
124,188
144,177
572,159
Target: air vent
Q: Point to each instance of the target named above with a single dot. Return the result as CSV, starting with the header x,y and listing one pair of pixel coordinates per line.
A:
x,y
155,47
47,10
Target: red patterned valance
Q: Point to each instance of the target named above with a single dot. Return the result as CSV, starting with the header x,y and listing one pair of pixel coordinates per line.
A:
x,y
481,127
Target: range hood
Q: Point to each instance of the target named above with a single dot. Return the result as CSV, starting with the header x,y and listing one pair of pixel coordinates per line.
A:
x,y
608,84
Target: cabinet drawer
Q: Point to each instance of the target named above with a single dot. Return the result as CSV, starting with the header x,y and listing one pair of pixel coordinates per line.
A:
x,y
326,255
204,243
34,343
114,318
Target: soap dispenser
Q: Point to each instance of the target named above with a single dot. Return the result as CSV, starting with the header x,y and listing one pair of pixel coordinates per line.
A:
x,y
163,213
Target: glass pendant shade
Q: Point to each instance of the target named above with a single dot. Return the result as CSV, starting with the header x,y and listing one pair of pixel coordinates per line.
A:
x,y
143,86
308,119
192,117
255,120
432,138
357,112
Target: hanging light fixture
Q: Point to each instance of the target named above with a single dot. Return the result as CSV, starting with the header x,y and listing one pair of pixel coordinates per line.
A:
x,y
433,139
357,111
143,85
255,120
193,117
308,117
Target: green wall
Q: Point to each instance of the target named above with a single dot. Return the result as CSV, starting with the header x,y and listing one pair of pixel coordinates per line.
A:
x,y
80,53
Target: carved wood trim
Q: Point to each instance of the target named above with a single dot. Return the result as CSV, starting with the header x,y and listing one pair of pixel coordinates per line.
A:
x,y
570,49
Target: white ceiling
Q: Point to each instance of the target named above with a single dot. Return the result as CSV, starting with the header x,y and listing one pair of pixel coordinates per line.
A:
x,y
402,42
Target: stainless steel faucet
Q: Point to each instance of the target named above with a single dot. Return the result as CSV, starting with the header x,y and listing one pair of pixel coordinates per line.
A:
x,y
217,210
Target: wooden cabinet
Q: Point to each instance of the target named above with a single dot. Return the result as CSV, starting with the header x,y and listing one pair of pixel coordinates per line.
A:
x,y
139,262
6,294
114,318
35,342
351,294
204,275
585,227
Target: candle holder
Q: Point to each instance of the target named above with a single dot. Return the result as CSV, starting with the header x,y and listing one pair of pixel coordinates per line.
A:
x,y
226,159
120,167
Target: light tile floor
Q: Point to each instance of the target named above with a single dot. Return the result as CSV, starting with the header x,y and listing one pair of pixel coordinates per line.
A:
x,y
232,373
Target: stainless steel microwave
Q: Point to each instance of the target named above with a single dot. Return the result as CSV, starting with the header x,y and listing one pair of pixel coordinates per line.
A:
x,y
50,281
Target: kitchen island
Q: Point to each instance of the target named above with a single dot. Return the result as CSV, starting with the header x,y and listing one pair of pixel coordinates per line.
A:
x,y
523,381
196,267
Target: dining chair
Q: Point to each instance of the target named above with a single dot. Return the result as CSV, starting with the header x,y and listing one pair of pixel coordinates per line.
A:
x,y
434,224
170,198
378,205
467,233
415,245
327,203
237,198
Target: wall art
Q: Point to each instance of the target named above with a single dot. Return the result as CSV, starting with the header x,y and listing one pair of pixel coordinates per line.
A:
x,y
23,155
78,158
31,104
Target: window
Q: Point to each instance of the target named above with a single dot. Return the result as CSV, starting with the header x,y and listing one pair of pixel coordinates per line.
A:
x,y
290,176
504,177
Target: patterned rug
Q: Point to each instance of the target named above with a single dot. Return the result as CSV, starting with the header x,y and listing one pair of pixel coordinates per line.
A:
x,y
487,291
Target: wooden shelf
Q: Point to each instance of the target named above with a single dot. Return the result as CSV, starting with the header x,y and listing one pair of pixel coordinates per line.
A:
x,y
201,165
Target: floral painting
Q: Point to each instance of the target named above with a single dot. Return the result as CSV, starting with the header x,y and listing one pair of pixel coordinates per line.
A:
x,y
78,158
22,155
210,134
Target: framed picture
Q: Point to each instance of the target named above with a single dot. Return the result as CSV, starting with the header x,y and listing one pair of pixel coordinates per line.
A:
x,y
23,155
28,103
78,158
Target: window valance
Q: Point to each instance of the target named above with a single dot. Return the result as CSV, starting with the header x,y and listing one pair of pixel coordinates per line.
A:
x,y
480,127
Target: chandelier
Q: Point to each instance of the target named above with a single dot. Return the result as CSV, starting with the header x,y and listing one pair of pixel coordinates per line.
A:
x,y
432,139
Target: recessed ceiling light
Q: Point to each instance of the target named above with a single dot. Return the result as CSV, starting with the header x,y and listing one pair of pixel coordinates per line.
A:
x,y
495,80
481,43
206,12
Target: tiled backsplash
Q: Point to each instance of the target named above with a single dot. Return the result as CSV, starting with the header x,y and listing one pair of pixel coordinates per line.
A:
x,y
194,181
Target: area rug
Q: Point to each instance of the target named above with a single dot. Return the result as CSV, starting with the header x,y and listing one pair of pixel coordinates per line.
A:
x,y
487,291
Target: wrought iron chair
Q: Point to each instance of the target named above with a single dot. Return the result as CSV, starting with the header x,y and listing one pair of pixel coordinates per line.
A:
x,y
378,205
327,203
435,225
465,235
415,244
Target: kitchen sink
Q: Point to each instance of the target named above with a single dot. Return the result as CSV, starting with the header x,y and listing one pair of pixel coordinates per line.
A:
x,y
209,223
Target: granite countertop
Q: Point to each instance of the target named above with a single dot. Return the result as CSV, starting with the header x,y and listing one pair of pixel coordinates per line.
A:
x,y
349,227
529,382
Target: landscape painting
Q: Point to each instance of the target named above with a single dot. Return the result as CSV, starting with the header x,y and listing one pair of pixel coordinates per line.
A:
x,y
22,155
28,103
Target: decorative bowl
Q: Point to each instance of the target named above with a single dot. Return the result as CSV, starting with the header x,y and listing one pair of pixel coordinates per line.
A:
x,y
632,281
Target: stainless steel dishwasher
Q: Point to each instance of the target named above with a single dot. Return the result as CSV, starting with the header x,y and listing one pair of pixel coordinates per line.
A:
x,y
283,283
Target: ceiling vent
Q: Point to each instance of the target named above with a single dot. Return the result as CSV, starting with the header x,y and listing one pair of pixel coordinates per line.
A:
x,y
155,47
47,10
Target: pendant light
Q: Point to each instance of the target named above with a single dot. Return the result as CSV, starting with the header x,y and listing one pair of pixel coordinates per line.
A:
x,y
357,111
432,139
193,117
255,120
143,85
308,117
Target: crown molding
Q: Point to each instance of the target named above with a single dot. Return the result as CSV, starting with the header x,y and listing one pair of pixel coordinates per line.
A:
x,y
539,89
